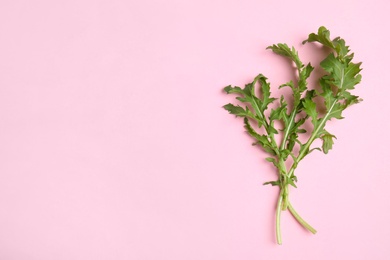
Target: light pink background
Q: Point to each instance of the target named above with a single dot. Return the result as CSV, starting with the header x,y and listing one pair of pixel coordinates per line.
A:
x,y
113,143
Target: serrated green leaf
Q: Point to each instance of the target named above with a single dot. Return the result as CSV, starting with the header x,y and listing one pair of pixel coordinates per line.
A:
x,y
273,161
291,182
336,111
333,65
237,90
344,76
288,84
323,37
261,139
230,90
340,47
252,131
284,50
238,110
350,99
351,75
284,154
249,89
327,94
310,109
306,71
296,92
296,125
244,99
265,92
327,141
278,113
303,76
273,183
291,141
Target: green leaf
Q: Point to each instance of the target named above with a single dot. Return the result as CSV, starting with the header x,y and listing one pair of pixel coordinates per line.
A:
x,y
280,113
311,110
291,141
246,91
327,141
336,111
273,183
264,91
295,126
344,76
238,110
333,65
327,93
252,131
291,182
284,50
247,95
272,160
352,76
229,89
323,37
303,71
296,92
340,47
350,99
303,76
249,89
260,139
307,70
288,84
284,154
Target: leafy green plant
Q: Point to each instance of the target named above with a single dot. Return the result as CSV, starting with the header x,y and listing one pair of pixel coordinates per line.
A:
x,y
301,116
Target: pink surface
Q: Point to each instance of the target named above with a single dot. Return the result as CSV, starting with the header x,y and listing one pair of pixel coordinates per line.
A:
x,y
114,145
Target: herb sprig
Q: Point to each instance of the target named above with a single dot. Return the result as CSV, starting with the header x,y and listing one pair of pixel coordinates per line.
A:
x,y
342,75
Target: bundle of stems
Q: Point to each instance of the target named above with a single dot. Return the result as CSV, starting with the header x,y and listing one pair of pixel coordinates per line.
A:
x,y
341,76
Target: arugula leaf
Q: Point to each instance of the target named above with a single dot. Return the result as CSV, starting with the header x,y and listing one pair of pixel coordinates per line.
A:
x,y
265,91
327,141
238,111
323,36
284,50
280,112
310,107
260,139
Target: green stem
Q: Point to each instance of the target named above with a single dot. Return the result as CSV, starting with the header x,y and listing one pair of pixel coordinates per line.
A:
x,y
300,219
278,211
284,203
285,197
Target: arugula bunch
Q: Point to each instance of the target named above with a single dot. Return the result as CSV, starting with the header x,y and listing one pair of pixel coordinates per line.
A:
x,y
341,76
